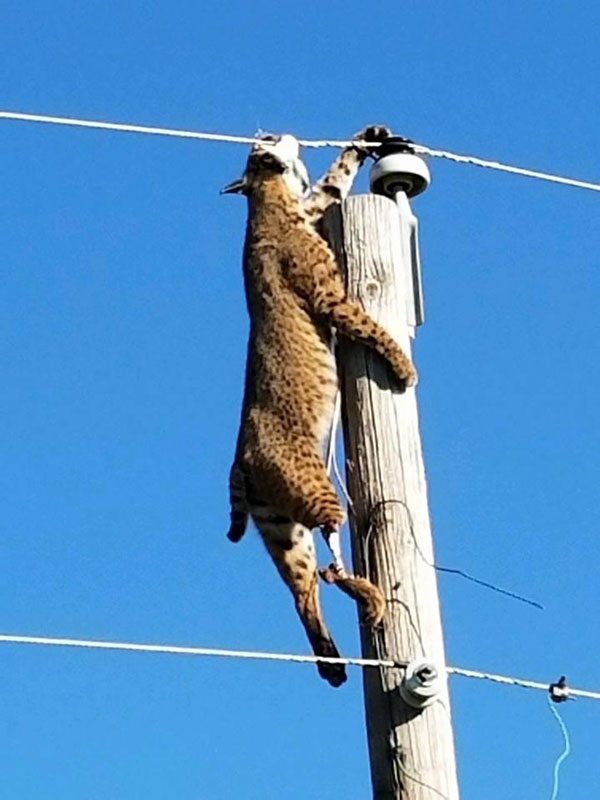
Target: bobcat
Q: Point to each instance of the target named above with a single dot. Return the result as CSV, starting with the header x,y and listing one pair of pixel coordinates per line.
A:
x,y
295,296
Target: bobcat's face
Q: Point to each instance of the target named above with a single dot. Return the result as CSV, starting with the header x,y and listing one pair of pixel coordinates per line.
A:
x,y
273,154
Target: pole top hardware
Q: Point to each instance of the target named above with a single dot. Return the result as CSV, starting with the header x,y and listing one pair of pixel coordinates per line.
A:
x,y
398,169
394,144
421,684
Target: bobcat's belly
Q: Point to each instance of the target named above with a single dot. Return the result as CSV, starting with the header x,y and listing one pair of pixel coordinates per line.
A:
x,y
326,385
294,376
309,384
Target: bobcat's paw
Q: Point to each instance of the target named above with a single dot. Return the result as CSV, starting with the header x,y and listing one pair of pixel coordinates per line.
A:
x,y
370,135
404,375
411,377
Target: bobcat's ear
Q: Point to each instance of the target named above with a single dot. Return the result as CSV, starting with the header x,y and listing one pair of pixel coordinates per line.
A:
x,y
238,186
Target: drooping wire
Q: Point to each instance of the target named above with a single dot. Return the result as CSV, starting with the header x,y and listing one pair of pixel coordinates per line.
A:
x,y
451,570
411,776
565,752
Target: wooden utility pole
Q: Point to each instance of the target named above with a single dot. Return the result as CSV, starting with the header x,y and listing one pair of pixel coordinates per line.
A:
x,y
411,749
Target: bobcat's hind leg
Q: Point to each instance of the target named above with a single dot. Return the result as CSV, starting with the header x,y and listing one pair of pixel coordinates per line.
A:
x,y
292,549
366,594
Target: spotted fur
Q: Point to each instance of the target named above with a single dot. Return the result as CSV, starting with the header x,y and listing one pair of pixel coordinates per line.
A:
x,y
295,297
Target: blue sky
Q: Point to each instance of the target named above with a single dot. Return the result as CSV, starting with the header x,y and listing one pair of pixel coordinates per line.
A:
x,y
122,341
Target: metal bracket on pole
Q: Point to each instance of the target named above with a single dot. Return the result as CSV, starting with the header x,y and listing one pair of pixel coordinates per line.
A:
x,y
400,174
421,684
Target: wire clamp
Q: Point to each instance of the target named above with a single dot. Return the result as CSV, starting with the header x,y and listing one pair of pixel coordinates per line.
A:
x,y
421,684
559,692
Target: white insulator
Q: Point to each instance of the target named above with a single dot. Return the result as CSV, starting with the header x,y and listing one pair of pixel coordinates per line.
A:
x,y
396,172
421,684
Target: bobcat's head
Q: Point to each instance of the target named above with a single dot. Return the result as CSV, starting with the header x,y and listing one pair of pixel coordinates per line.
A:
x,y
273,154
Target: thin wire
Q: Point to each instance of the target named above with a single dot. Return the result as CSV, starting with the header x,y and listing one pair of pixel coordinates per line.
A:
x,y
528,173
333,432
565,752
159,131
252,654
417,780
126,127
341,481
451,570
488,585
221,137
193,651
490,676
332,462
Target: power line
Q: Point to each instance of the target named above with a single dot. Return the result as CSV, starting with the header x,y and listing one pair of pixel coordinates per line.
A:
x,y
191,651
525,684
528,173
265,656
222,137
126,127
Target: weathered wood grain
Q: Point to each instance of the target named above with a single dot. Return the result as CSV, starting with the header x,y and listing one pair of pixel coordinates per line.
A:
x,y
391,535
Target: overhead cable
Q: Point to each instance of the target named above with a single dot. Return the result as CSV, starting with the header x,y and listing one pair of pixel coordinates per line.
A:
x,y
224,137
253,654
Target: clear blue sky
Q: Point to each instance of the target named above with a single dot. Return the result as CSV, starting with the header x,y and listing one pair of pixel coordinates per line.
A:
x,y
122,335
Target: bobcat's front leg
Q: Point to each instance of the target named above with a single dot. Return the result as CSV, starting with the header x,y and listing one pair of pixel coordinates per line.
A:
x,y
336,183
329,300
351,321
321,288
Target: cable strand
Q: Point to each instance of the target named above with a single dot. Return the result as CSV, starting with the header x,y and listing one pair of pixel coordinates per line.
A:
x,y
528,173
565,752
223,137
191,651
261,655
381,504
